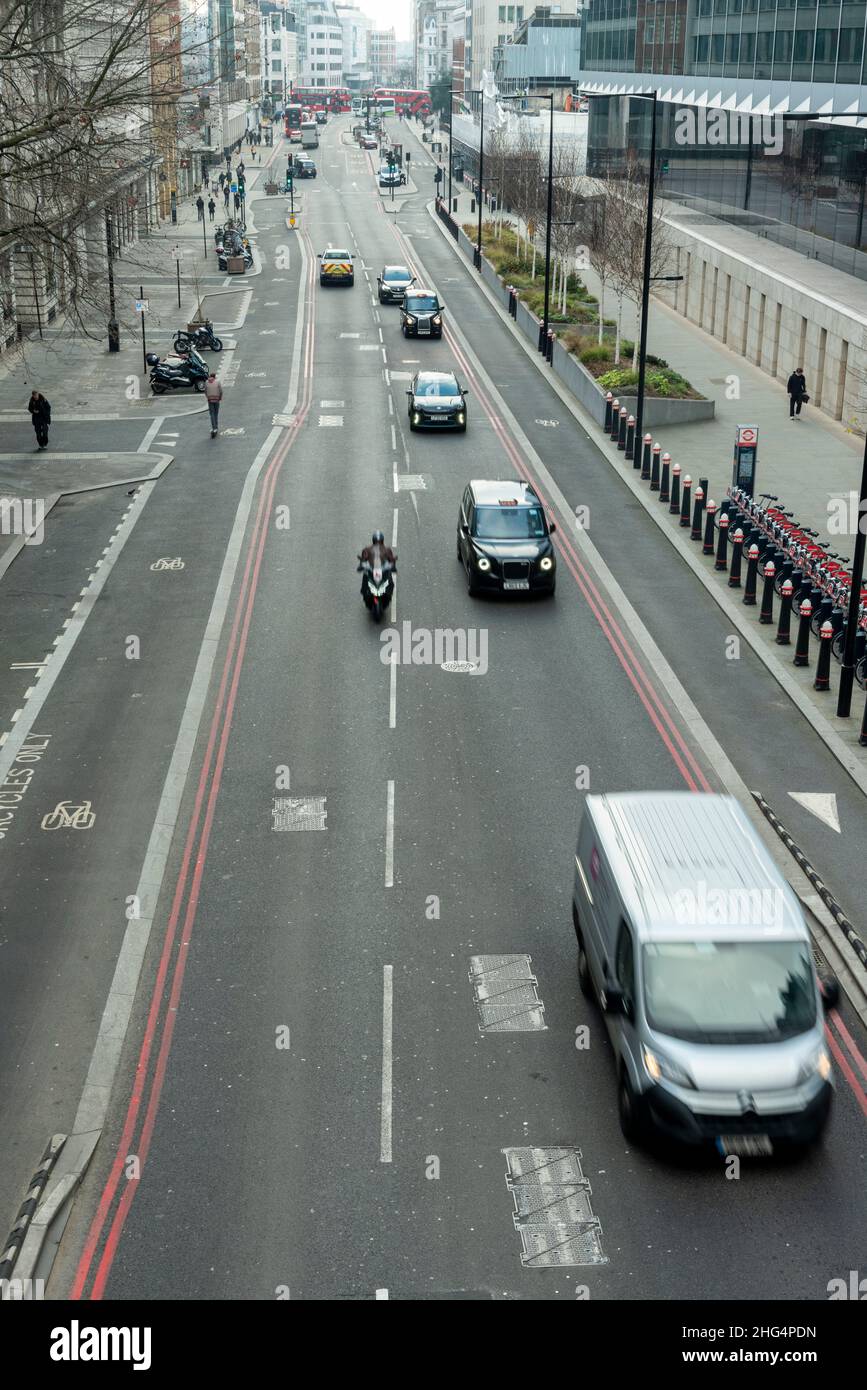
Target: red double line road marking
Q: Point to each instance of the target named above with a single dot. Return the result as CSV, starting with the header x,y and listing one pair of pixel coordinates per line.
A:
x,y
220,725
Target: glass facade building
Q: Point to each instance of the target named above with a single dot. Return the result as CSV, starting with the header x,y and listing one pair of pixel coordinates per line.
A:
x,y
783,57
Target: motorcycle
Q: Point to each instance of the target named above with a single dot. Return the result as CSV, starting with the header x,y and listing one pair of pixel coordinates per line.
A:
x,y
169,375
202,337
377,587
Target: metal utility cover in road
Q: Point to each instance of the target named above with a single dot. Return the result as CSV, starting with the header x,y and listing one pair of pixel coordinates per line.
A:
x,y
411,482
504,988
552,1208
299,813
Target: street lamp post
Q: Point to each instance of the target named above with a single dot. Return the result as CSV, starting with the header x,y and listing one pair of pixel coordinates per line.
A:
x,y
113,329
481,93
645,284
847,666
543,331
451,103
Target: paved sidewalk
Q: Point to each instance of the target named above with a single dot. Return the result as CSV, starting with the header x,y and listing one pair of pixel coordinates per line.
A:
x,y
806,463
81,379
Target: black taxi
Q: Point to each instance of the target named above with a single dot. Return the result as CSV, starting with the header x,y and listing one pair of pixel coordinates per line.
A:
x,y
504,539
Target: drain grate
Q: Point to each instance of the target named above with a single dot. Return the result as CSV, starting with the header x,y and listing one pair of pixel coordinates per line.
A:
x,y
552,1212
299,813
504,988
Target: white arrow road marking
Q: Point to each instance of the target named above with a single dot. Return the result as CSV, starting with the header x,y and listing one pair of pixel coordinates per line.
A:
x,y
823,805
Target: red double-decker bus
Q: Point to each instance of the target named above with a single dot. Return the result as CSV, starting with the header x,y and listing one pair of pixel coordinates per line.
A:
x,y
292,121
406,100
334,100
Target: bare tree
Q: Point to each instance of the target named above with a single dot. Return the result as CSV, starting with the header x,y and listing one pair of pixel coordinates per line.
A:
x,y
628,220
88,103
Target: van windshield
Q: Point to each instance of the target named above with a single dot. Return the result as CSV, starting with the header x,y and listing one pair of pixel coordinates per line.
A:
x,y
729,991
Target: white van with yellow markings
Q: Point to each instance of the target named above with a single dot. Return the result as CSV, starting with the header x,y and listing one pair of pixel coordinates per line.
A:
x,y
336,267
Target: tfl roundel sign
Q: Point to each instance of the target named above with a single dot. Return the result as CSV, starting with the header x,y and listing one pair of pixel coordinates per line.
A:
x,y
747,434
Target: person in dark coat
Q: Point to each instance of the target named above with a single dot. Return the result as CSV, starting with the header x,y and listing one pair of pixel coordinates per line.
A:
x,y
40,412
212,208
200,207
797,389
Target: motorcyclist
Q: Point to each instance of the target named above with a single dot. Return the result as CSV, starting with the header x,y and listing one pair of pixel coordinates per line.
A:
x,y
376,554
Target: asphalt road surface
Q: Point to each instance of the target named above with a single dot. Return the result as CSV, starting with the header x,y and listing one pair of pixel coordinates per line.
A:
x,y
304,1100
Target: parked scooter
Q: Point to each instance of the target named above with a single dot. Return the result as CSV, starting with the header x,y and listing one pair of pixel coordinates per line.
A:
x,y
204,338
377,587
169,374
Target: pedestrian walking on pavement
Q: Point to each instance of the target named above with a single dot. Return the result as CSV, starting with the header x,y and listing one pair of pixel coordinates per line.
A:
x,y
212,208
40,412
222,181
213,395
200,207
226,197
797,389
237,202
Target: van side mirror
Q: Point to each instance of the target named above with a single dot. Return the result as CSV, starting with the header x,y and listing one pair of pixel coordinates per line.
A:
x,y
612,1000
830,990
552,527
465,528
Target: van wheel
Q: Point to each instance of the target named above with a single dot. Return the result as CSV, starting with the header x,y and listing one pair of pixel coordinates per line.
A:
x,y
627,1111
584,980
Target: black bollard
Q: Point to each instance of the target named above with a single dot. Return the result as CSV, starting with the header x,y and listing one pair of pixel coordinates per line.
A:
x,y
751,581
608,399
838,619
615,419
645,458
697,509
686,500
823,667
802,646
664,482
721,562
784,624
654,469
766,612
621,429
862,737
737,550
710,514
630,440
674,505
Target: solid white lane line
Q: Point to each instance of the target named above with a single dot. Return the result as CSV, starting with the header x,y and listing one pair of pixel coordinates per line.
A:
x,y
392,694
389,837
153,430
385,1111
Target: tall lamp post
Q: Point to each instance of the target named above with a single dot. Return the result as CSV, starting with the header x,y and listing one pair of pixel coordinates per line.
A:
x,y
478,92
549,215
451,103
113,329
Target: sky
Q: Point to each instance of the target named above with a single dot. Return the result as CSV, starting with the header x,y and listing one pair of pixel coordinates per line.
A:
x,y
389,14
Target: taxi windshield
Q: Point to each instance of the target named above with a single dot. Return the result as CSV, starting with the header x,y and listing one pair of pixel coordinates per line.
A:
x,y
421,303
510,523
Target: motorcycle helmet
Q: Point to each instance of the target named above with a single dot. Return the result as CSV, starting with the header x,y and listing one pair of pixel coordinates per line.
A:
x,y
152,359
377,538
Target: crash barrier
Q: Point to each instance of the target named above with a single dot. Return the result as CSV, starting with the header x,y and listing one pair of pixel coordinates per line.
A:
x,y
446,219
762,552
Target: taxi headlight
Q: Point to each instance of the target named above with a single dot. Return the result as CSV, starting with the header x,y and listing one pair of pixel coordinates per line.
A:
x,y
415,417
410,319
483,562
659,1066
819,1064
437,320
546,563
461,417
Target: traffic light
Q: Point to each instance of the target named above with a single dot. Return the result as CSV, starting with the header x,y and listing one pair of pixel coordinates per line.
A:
x,y
665,166
438,176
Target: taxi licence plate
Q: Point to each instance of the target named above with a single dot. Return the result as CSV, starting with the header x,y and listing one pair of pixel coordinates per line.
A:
x,y
745,1145
516,583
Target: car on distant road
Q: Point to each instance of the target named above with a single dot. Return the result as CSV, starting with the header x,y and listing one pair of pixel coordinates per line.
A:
x,y
321,117
390,176
369,142
336,267
421,315
393,283
304,168
504,538
436,401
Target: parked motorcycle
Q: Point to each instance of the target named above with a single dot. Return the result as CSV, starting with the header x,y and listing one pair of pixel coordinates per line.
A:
x,y
182,372
377,587
204,338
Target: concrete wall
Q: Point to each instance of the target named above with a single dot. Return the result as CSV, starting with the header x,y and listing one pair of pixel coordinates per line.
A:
x,y
777,309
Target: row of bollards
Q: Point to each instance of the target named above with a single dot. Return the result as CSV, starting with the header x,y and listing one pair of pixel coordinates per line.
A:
x,y
740,549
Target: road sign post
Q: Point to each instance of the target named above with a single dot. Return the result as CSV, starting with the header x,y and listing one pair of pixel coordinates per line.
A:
x,y
745,457
141,307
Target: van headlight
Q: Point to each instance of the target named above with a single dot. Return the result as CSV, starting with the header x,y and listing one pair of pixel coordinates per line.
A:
x,y
546,563
461,417
660,1067
415,417
483,562
817,1065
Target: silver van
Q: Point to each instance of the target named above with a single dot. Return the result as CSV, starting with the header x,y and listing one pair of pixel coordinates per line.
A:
x,y
698,953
